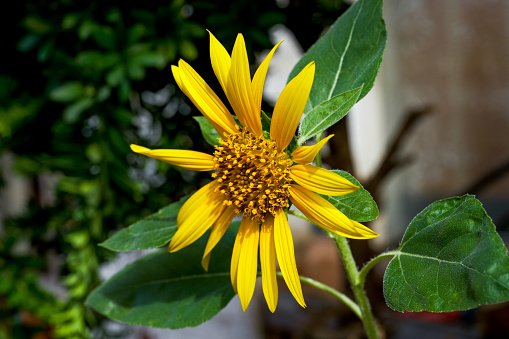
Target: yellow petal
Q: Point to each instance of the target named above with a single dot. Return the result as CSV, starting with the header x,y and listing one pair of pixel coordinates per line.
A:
x,y
259,78
324,214
321,181
248,259
268,263
286,256
239,90
197,214
220,60
290,105
204,98
306,154
234,265
217,232
205,262
176,75
191,160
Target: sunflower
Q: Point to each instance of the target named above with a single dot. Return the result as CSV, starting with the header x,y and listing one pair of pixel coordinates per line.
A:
x,y
255,174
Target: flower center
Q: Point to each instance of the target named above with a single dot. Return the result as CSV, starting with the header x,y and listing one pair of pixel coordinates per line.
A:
x,y
252,174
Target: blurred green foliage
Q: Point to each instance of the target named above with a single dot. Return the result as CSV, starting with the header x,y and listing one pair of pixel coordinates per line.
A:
x,y
79,82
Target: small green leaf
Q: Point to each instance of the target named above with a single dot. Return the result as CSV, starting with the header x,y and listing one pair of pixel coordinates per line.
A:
x,y
207,130
169,290
359,205
116,76
327,114
103,93
36,24
72,112
348,55
265,121
135,71
104,36
28,42
86,29
188,50
149,59
168,48
450,259
114,15
97,60
136,32
67,92
154,231
70,20
94,153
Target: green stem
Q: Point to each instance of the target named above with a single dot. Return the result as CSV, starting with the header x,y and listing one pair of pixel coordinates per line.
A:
x,y
355,278
318,159
299,215
343,298
365,270
357,286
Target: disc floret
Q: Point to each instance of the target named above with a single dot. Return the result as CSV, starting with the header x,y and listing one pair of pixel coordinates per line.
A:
x,y
253,175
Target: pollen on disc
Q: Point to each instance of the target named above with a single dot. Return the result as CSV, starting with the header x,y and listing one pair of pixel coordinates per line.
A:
x,y
253,174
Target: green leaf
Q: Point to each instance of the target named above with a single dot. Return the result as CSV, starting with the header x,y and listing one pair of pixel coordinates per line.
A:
x,y
327,114
36,24
265,119
188,50
136,32
154,231
67,92
115,76
208,131
28,42
359,205
451,258
72,113
86,29
149,59
169,290
348,55
104,36
70,20
97,60
103,93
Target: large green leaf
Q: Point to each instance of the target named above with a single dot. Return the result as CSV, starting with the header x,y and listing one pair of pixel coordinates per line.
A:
x,y
327,114
154,231
359,205
348,55
169,290
451,258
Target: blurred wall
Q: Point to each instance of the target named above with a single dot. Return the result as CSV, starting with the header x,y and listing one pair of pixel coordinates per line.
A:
x,y
454,57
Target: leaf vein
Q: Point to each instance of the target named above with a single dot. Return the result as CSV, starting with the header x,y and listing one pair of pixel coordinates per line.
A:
x,y
433,224
452,263
177,279
340,66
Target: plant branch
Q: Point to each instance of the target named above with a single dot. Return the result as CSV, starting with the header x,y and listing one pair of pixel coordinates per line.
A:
x,y
357,287
391,161
343,298
365,270
299,215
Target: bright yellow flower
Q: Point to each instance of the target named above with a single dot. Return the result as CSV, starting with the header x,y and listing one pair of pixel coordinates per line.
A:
x,y
254,176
